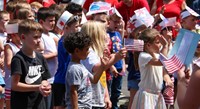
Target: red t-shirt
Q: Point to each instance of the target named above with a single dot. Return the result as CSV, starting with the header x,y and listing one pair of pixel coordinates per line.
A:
x,y
128,12
88,2
171,10
45,4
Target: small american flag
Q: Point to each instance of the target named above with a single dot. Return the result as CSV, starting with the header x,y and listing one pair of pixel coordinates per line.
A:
x,y
172,65
134,44
169,91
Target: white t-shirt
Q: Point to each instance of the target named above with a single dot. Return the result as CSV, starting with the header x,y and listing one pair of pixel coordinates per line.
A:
x,y
7,78
151,76
50,47
97,89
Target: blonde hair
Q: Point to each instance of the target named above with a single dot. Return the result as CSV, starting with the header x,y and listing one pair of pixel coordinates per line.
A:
x,y
36,5
97,32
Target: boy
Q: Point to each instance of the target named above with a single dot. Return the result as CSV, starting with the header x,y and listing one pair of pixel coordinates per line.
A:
x,y
119,67
46,17
78,85
69,24
29,70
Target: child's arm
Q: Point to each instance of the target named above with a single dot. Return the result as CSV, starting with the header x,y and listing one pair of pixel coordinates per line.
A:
x,y
188,95
8,55
114,71
155,60
74,96
106,62
167,79
16,85
50,55
107,99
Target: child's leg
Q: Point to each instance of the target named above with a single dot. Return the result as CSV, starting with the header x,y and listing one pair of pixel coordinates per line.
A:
x,y
133,88
59,96
116,90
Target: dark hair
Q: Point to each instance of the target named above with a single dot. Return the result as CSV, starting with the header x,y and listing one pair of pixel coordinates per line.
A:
x,y
10,6
44,13
76,40
74,8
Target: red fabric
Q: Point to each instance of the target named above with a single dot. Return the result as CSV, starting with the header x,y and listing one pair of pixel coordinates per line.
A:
x,y
45,4
128,12
88,2
171,10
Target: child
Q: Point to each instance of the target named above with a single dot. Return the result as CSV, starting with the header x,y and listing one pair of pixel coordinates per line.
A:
x,y
78,85
98,34
25,14
151,71
10,49
71,24
46,17
4,18
10,8
133,68
29,70
189,19
119,67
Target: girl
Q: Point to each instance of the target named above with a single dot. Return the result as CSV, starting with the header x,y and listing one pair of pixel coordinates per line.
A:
x,y
10,49
151,70
92,62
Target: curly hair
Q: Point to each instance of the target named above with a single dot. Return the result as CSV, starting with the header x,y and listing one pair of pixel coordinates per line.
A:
x,y
76,40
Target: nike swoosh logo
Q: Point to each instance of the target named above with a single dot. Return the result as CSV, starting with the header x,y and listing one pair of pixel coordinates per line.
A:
x,y
29,80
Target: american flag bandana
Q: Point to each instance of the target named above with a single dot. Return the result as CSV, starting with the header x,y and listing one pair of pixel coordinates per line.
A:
x,y
171,65
133,44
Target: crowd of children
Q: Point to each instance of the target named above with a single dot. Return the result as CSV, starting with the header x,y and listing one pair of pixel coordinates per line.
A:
x,y
66,56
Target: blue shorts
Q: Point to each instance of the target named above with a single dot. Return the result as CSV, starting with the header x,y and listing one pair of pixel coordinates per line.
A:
x,y
133,84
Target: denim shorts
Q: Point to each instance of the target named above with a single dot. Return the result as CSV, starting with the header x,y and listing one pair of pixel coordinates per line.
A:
x,y
133,84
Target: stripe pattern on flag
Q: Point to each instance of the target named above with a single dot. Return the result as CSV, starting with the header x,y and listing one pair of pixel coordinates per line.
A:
x,y
171,65
134,44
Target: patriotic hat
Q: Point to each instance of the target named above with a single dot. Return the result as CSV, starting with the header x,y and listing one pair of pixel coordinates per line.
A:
x,y
168,22
79,2
188,11
63,19
12,28
113,10
98,7
133,23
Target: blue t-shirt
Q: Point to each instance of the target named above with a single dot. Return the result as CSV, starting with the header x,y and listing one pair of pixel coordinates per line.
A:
x,y
2,82
116,46
63,61
133,73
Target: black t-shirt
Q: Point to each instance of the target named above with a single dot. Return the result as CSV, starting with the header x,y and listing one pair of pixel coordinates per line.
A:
x,y
32,71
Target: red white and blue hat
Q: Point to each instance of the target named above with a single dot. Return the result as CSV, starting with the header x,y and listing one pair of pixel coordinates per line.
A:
x,y
98,7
